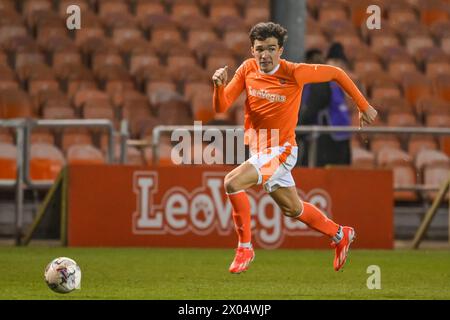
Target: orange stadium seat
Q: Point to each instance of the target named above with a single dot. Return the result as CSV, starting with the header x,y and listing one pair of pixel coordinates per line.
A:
x,y
196,37
15,104
358,12
433,11
255,14
415,86
191,88
202,106
433,68
442,86
403,171
64,4
46,161
379,141
438,120
219,61
416,42
433,167
106,8
181,10
144,8
42,135
166,34
74,136
175,112
401,118
431,105
6,136
53,112
315,39
399,69
82,96
445,44
84,154
89,32
418,142
362,158
122,35
177,62
32,7
216,12
331,11
8,162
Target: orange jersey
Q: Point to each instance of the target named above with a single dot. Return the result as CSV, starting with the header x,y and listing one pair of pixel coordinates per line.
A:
x,y
273,100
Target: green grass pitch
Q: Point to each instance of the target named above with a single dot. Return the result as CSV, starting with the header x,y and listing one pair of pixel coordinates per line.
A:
x,y
132,273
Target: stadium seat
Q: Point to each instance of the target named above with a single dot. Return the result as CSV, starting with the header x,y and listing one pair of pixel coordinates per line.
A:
x,y
214,62
216,12
122,35
415,86
174,112
431,105
442,86
74,137
255,14
238,42
167,34
418,142
146,8
416,42
15,104
436,67
362,158
438,120
190,88
202,106
403,171
433,167
433,11
84,154
42,135
196,37
401,118
64,4
6,136
445,44
379,141
181,10
8,162
46,161
82,96
176,62
53,112
399,69
315,39
358,12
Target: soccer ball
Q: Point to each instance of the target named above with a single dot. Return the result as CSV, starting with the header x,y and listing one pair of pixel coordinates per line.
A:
x,y
63,275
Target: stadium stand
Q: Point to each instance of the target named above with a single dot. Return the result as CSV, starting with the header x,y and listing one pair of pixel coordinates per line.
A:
x,y
150,62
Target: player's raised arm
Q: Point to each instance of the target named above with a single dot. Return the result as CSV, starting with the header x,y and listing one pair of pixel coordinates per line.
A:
x,y
225,95
313,73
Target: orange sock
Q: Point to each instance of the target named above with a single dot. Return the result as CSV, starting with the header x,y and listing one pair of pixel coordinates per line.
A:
x,y
317,220
241,215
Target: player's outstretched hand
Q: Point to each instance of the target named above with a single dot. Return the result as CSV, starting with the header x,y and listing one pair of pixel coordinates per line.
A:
x,y
220,76
368,116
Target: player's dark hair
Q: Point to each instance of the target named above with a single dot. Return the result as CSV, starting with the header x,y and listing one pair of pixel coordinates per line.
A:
x,y
264,30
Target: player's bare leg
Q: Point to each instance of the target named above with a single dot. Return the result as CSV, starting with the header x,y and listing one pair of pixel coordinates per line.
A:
x,y
342,236
235,183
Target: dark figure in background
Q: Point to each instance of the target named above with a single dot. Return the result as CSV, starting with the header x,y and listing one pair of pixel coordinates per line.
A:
x,y
324,104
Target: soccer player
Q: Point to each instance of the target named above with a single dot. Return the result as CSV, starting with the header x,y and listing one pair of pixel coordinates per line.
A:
x,y
274,89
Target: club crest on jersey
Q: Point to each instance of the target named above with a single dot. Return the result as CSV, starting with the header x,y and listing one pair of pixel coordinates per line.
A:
x,y
264,94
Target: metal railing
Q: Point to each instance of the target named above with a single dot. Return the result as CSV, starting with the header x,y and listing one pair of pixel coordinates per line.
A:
x,y
23,128
315,132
